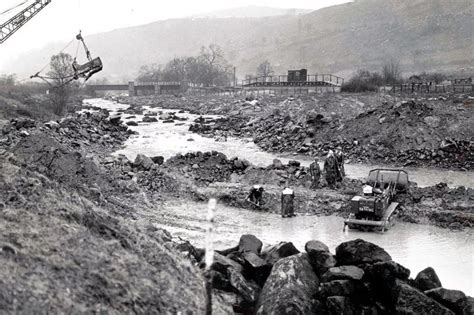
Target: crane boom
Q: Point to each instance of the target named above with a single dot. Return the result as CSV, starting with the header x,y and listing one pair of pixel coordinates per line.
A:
x,y
8,28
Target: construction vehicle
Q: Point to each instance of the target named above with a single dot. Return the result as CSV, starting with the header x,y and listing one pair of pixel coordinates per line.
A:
x,y
85,71
8,28
374,209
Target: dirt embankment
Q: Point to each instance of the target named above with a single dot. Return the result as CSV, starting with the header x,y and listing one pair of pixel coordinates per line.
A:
x,y
369,128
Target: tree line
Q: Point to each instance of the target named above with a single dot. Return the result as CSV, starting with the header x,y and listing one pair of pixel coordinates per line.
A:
x,y
208,68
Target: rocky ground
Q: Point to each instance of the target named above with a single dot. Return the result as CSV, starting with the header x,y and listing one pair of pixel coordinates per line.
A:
x,y
361,278
373,128
78,232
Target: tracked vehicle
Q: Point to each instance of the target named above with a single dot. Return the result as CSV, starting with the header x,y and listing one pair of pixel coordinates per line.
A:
x,y
374,209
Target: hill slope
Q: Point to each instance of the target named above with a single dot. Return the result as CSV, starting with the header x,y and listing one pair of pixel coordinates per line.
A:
x,y
425,35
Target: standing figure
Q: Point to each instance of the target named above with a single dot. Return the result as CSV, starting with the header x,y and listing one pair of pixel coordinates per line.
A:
x,y
330,168
315,172
341,172
287,203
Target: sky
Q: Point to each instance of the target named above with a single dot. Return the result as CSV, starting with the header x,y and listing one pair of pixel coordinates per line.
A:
x,y
62,19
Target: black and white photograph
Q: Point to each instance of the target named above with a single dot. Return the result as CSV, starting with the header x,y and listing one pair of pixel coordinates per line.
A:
x,y
249,157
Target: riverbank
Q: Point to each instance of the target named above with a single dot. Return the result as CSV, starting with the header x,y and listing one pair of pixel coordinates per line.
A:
x,y
370,128
82,229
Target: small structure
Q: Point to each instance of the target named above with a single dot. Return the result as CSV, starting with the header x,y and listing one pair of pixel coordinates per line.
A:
x,y
297,75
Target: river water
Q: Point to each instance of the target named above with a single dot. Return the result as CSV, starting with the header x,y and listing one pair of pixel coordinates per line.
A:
x,y
414,246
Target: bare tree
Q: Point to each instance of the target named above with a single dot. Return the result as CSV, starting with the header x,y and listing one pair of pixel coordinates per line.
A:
x,y
264,69
391,72
60,73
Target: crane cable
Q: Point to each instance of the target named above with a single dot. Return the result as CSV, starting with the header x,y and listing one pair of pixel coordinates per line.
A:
x,y
14,7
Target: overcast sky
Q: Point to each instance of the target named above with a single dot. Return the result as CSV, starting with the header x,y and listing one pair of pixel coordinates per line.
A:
x,y
62,19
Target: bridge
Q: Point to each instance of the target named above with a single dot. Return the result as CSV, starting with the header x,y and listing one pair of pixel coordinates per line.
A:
x,y
314,80
134,87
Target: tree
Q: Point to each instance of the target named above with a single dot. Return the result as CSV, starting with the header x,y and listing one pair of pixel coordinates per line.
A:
x,y
60,72
150,73
264,69
391,72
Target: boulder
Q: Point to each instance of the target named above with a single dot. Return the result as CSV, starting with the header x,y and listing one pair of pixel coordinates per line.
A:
x,y
277,164
409,300
339,305
149,119
158,159
248,290
250,243
255,268
222,264
383,276
343,273
358,252
222,302
315,246
274,253
427,279
320,257
52,124
143,162
115,119
453,299
290,288
341,288
131,123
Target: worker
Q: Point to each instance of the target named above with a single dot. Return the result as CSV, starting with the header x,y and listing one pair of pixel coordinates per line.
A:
x,y
330,169
256,195
315,172
341,172
287,203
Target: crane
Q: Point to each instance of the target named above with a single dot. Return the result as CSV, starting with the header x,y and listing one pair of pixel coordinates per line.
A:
x,y
8,28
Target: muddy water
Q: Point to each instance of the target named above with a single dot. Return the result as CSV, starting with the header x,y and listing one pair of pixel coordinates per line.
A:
x,y
170,139
414,246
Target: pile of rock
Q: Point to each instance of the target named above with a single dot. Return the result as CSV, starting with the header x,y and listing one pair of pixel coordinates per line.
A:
x,y
95,131
207,167
361,278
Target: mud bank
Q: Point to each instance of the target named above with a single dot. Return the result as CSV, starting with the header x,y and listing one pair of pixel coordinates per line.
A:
x,y
369,128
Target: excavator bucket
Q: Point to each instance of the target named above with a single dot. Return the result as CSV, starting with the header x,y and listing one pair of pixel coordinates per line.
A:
x,y
88,69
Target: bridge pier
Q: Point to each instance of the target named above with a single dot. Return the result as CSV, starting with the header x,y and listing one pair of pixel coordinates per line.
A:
x,y
157,89
132,91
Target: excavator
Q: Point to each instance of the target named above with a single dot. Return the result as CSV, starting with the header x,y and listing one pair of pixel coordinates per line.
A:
x,y
12,25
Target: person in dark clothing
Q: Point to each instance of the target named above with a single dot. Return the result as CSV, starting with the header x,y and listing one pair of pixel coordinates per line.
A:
x,y
315,172
340,164
256,195
330,169
287,203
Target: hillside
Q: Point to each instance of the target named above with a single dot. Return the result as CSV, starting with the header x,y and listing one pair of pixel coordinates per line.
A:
x,y
425,35
253,11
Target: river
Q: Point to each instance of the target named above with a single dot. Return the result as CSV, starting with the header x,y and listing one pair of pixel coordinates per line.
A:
x,y
414,246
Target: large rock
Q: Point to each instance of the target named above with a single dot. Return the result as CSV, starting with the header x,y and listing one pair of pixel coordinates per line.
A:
x,y
250,243
143,162
409,300
339,305
320,257
274,253
383,276
427,279
343,273
222,264
358,252
248,290
222,302
453,299
290,288
337,287
255,268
